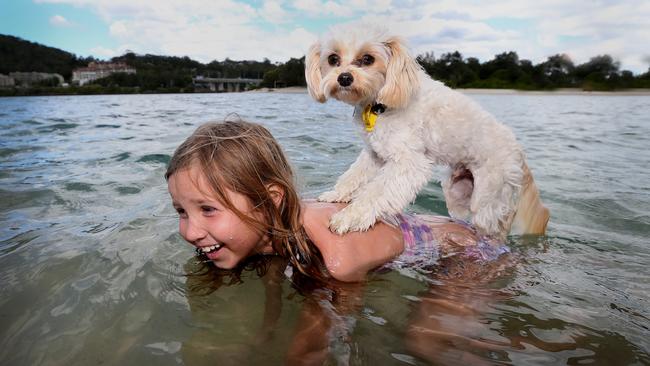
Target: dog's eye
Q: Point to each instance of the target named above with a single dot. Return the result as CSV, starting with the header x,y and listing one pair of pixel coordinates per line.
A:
x,y
367,60
333,60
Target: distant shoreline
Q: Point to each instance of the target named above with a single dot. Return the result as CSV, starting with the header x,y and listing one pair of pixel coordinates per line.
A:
x,y
565,91
303,90
287,90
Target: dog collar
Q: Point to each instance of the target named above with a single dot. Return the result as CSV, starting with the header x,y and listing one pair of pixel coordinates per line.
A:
x,y
370,114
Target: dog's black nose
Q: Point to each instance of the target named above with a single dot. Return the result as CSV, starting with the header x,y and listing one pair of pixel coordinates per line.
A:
x,y
345,79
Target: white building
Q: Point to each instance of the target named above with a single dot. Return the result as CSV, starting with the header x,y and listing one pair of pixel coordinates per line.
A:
x,y
96,70
31,78
6,81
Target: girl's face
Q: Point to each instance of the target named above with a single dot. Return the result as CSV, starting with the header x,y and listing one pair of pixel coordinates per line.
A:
x,y
209,226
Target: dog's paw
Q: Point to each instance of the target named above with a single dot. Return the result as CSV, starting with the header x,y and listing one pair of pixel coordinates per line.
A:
x,y
351,219
333,196
489,226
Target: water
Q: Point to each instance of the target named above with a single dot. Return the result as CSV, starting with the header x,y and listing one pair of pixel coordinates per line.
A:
x,y
94,272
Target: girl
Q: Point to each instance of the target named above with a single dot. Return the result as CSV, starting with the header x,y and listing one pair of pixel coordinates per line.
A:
x,y
235,195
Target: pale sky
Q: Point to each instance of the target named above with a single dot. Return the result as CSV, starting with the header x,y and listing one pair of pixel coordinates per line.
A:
x,y
206,30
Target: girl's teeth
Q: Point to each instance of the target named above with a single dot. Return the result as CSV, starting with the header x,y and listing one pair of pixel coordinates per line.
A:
x,y
210,248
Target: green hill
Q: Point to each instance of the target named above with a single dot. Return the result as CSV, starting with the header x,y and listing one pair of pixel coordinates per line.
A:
x,y
154,72
17,54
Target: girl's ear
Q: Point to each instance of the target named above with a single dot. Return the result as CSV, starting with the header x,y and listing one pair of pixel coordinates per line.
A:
x,y
277,194
312,73
401,76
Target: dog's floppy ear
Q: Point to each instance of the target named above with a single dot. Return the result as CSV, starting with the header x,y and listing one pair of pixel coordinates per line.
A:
x,y
312,73
401,75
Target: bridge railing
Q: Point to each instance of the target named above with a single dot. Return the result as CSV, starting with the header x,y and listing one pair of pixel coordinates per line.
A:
x,y
224,84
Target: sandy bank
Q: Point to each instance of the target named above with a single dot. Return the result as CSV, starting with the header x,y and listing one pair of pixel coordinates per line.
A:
x,y
288,90
567,91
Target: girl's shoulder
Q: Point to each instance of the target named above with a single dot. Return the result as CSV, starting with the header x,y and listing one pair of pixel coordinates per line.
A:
x,y
350,256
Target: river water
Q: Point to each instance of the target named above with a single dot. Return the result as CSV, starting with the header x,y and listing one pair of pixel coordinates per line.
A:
x,y
93,270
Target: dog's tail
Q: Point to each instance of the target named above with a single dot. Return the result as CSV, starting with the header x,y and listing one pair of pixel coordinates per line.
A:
x,y
531,216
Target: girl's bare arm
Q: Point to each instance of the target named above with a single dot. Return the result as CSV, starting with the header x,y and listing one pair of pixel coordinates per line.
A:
x,y
351,256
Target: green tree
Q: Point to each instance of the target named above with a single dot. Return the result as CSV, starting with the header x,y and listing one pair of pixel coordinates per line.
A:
x,y
504,67
293,72
559,70
599,73
270,78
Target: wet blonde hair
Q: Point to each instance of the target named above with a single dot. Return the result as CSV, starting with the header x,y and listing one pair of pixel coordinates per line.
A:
x,y
245,158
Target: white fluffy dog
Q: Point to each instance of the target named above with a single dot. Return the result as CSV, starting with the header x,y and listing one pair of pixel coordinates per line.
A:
x,y
411,123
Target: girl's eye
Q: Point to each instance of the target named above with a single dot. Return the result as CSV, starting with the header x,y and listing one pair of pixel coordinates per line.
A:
x,y
367,60
208,209
181,212
333,60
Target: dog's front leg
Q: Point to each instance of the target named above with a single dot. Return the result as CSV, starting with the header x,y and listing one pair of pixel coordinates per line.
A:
x,y
387,194
360,172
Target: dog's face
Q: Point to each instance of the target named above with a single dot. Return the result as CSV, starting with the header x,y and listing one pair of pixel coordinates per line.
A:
x,y
353,72
358,66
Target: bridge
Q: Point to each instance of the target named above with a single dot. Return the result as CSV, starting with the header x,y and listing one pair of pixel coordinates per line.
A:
x,y
224,84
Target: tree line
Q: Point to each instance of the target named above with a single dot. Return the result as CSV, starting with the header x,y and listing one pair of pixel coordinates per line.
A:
x,y
175,74
164,73
506,70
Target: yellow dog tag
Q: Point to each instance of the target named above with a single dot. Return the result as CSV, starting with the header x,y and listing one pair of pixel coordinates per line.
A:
x,y
369,118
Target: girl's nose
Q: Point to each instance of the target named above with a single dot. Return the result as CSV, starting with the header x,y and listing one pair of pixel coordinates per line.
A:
x,y
193,232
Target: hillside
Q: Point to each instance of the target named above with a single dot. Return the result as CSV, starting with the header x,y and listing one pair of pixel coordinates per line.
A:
x,y
154,72
17,54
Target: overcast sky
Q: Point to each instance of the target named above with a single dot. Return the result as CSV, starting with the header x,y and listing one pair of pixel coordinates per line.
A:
x,y
206,30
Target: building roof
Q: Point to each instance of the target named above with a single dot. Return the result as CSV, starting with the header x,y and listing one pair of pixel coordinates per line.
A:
x,y
104,66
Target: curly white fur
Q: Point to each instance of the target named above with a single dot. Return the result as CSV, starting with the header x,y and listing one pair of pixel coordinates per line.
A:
x,y
425,124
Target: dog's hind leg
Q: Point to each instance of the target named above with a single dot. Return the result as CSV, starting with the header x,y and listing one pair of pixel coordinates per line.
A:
x,y
493,200
458,187
359,173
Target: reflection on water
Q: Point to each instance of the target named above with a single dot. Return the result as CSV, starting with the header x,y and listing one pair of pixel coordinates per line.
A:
x,y
93,271
463,316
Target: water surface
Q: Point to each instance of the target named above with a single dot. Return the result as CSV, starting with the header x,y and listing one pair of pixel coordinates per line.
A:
x,y
94,272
